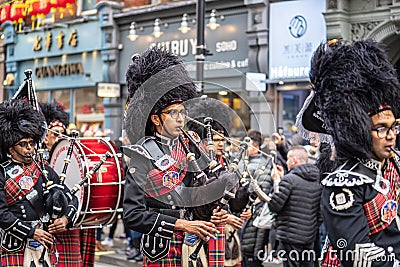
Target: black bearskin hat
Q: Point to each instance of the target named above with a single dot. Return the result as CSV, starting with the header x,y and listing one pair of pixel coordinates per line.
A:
x,y
200,109
349,83
155,80
54,112
18,120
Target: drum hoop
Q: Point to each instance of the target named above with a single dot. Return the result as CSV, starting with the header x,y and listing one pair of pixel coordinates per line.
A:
x,y
83,165
80,148
118,166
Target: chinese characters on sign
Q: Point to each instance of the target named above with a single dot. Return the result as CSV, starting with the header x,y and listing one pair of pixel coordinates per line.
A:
x,y
60,39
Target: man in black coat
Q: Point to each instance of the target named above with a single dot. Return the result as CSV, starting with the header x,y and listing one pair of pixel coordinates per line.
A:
x,y
298,207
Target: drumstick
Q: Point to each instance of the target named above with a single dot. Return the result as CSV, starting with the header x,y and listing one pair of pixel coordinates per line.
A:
x,y
89,175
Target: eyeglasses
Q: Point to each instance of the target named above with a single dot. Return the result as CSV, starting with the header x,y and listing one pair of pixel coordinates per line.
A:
x,y
57,134
383,132
26,143
174,113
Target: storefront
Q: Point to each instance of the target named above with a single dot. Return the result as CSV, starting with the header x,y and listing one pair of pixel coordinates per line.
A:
x,y
66,64
224,69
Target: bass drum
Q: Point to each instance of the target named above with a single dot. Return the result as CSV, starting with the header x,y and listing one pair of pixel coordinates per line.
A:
x,y
100,198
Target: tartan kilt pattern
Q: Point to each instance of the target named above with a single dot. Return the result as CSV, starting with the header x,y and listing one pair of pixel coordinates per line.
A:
x,y
16,258
330,259
173,259
68,247
216,248
88,246
12,259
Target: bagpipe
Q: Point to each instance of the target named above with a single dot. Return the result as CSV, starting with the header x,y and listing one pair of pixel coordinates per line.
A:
x,y
215,172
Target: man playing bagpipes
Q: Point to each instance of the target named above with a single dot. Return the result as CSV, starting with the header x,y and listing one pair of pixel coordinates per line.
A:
x,y
159,191
76,247
32,207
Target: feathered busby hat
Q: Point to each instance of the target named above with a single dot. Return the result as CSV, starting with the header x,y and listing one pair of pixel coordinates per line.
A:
x,y
155,80
350,83
199,109
18,120
54,115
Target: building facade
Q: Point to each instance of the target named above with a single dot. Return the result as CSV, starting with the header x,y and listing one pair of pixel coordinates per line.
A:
x,y
81,62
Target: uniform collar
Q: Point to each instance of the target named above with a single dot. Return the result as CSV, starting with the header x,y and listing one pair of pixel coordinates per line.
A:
x,y
166,140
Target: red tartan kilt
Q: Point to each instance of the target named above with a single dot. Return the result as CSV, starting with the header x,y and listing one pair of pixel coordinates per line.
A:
x,y
68,246
16,258
330,259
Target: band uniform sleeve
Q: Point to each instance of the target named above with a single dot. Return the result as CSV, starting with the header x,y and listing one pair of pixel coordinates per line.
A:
x,y
348,227
8,221
137,215
278,200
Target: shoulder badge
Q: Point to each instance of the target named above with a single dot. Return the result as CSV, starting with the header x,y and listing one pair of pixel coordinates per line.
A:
x,y
342,200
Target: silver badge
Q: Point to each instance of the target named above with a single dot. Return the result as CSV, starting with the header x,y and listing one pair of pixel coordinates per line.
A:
x,y
341,201
165,162
14,171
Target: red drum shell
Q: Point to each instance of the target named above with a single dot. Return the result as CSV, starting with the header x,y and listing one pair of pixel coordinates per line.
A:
x,y
101,197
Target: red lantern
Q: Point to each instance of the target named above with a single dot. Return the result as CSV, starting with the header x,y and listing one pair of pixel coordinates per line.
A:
x,y
44,9
5,13
53,8
33,10
18,13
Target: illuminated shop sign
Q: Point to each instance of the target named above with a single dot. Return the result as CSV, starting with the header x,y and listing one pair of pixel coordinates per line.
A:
x,y
296,30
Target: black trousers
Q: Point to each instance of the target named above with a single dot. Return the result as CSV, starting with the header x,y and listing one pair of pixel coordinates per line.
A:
x,y
297,255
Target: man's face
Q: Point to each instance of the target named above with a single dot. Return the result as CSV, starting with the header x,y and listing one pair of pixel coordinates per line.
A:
x,y
382,142
172,120
291,160
23,150
253,148
53,135
219,144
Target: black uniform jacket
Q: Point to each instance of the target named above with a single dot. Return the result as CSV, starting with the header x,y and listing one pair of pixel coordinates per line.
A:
x,y
16,212
360,208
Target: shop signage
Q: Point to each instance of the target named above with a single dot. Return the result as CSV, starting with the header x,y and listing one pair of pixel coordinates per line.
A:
x,y
49,41
296,29
256,81
108,90
67,69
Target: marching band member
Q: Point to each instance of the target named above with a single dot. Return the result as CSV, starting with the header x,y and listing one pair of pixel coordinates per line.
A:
x,y
76,246
24,205
158,175
57,121
353,106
